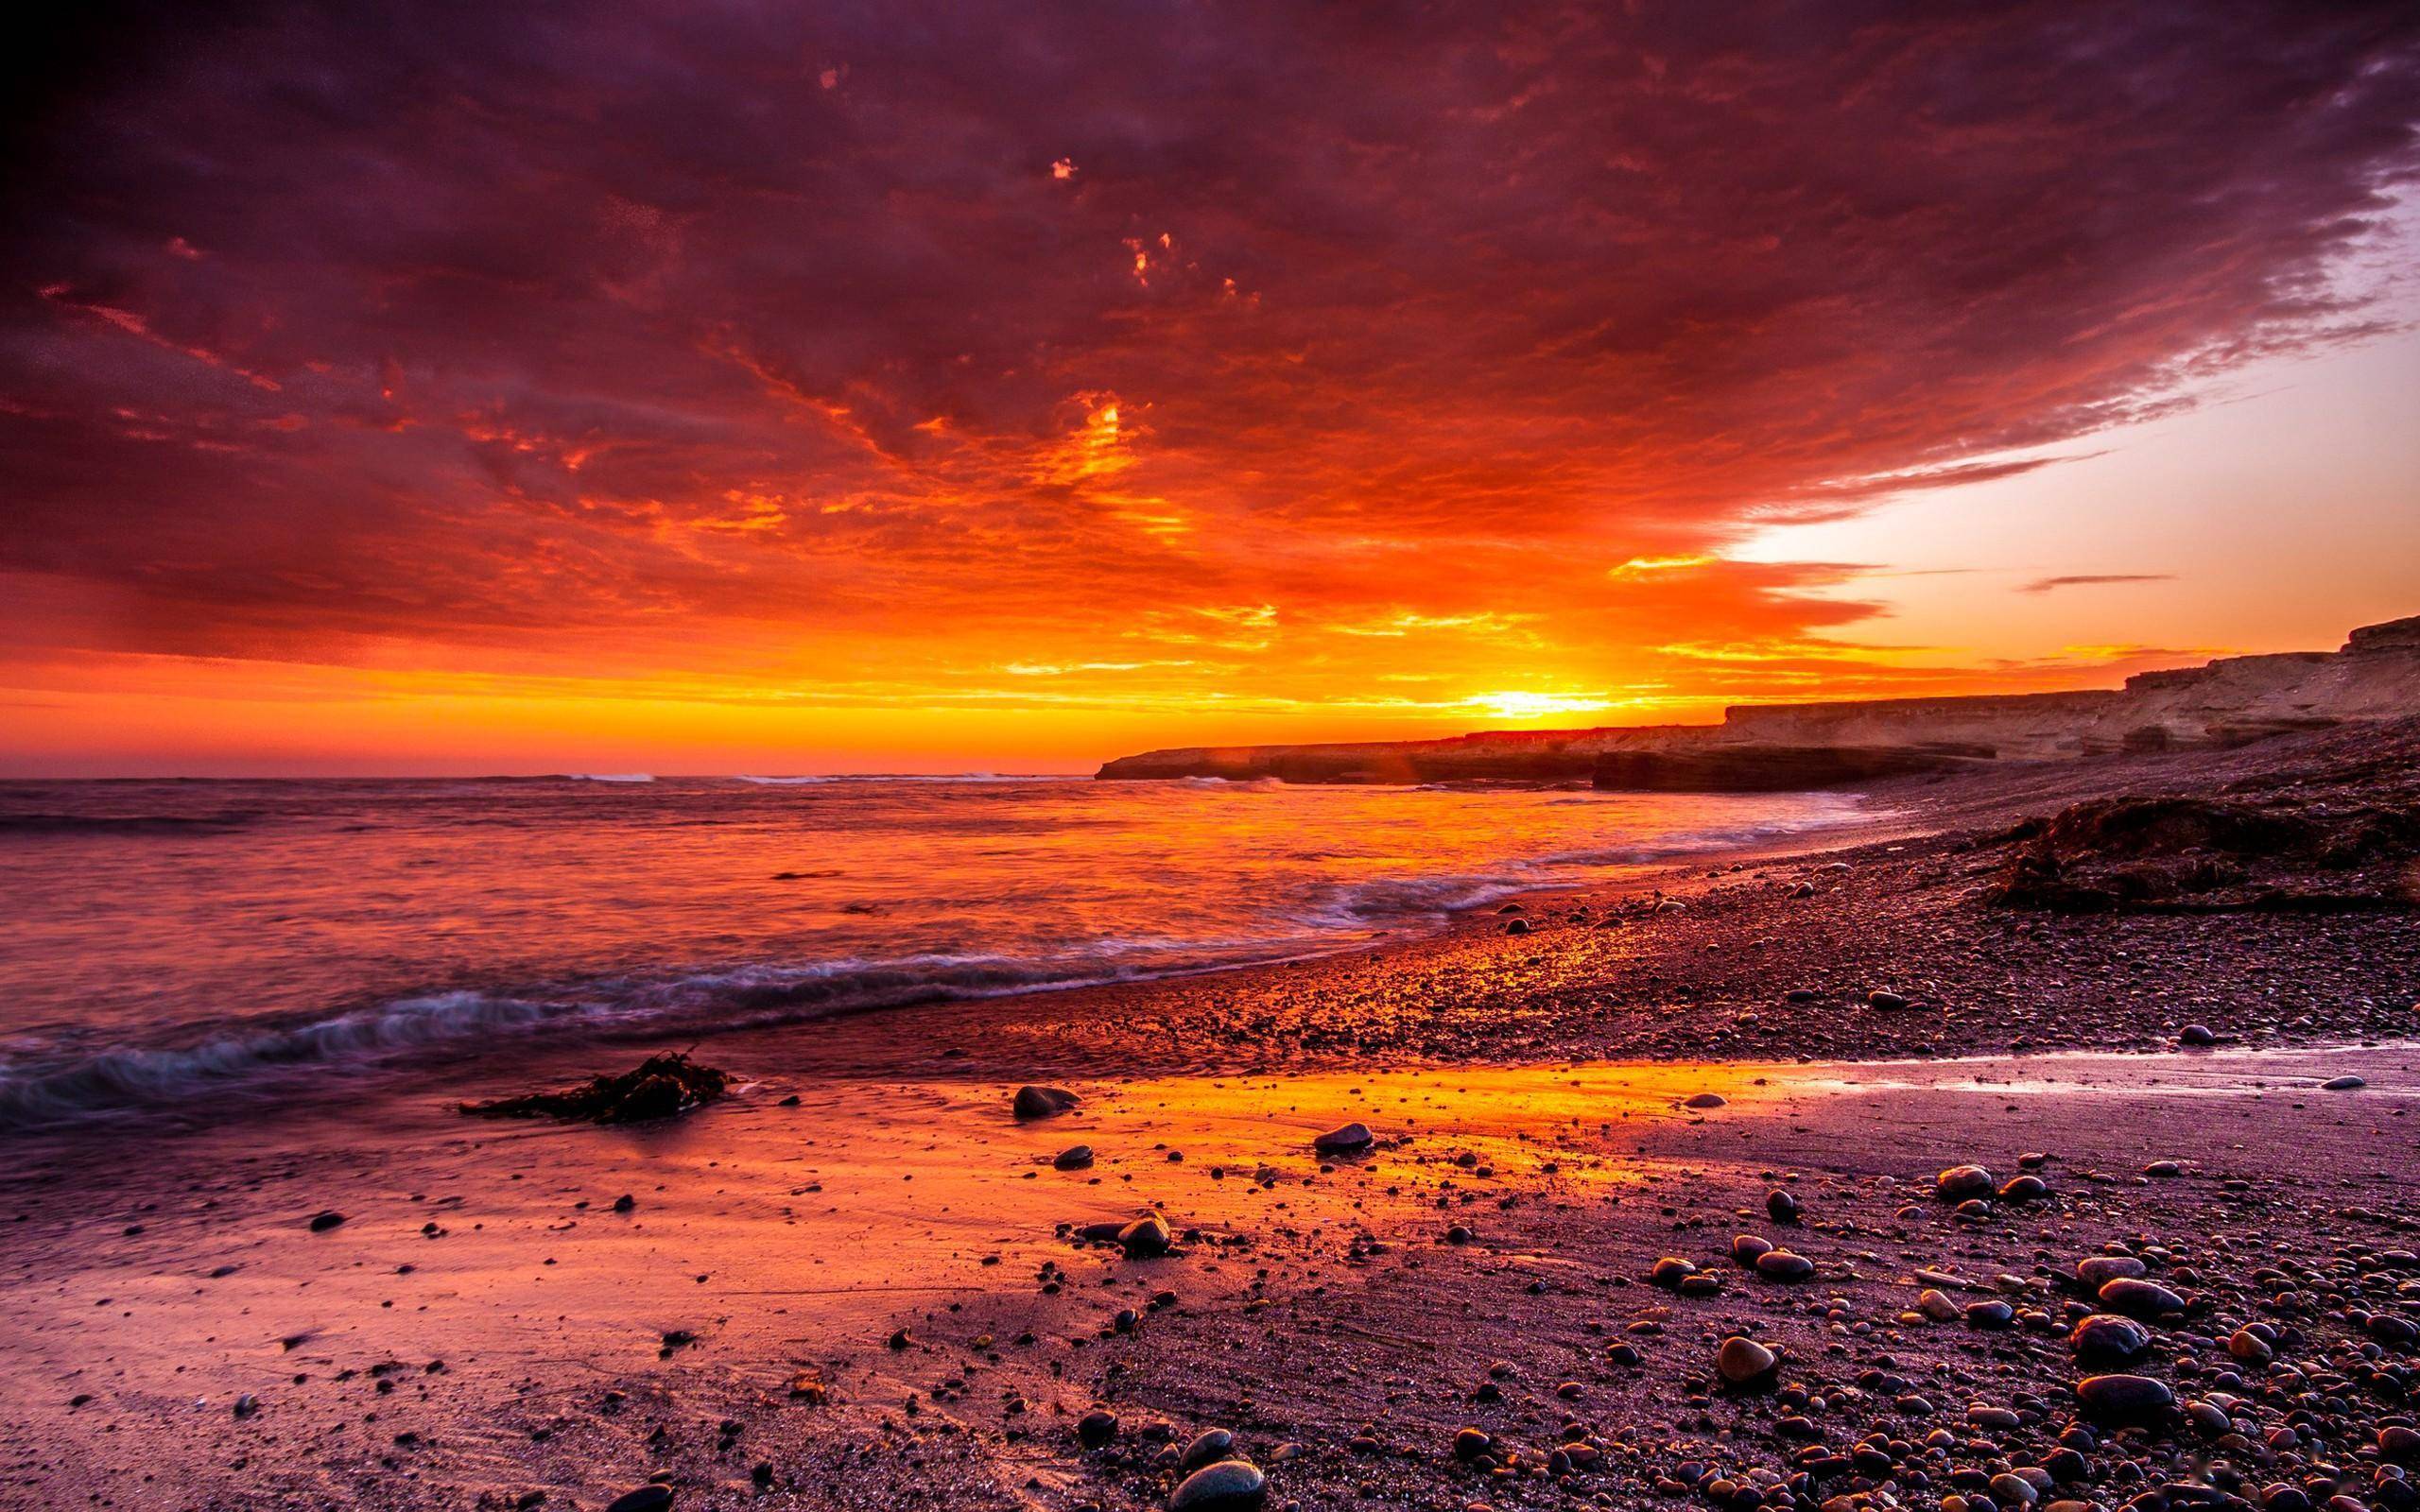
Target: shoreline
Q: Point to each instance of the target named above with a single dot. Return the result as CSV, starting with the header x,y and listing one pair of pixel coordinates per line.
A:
x,y
273,1059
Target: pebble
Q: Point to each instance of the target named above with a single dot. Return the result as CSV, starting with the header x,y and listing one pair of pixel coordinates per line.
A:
x,y
1042,1101
645,1498
2107,1337
1230,1486
1743,1361
1961,1183
1782,1266
1991,1314
1146,1237
1346,1140
2342,1083
1074,1158
2124,1398
2196,1036
1707,1100
2138,1297
1095,1428
1208,1448
2099,1270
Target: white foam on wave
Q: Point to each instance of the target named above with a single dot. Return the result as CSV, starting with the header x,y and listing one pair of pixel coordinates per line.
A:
x,y
608,777
746,996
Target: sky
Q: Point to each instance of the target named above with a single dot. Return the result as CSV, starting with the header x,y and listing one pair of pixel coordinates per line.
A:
x,y
698,387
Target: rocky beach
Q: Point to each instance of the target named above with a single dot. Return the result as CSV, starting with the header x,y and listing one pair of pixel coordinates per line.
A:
x,y
2042,1143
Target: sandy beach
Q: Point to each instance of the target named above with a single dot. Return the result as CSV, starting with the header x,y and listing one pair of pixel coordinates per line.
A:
x,y
859,1281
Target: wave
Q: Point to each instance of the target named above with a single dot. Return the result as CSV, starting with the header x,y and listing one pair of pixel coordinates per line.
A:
x,y
608,777
127,1078
42,1085
125,823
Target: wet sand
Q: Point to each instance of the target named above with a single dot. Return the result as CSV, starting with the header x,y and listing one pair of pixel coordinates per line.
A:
x,y
879,1293
483,1324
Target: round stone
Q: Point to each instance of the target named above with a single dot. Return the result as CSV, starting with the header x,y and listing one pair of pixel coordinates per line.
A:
x,y
1040,1102
1208,1448
1961,1183
1349,1140
1743,1361
2107,1337
2124,1398
1230,1486
2137,1298
1670,1271
1146,1237
2099,1270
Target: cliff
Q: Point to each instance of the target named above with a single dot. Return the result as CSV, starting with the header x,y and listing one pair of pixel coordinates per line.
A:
x,y
1775,747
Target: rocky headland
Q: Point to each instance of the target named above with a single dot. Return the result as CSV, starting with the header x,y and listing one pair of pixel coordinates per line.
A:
x,y
1772,747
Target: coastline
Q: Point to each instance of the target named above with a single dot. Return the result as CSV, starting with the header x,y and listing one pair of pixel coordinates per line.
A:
x,y
483,1326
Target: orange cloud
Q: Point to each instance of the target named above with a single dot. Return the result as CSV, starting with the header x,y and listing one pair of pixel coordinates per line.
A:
x,y
1278,372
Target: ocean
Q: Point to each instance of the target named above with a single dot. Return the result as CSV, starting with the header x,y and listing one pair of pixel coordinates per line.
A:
x,y
170,940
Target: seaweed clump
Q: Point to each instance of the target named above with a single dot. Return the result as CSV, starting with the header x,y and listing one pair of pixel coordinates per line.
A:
x,y
662,1086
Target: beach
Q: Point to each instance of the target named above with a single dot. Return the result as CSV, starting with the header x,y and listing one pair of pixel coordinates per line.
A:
x,y
859,1280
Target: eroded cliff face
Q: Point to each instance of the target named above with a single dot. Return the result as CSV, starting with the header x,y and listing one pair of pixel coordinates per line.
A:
x,y
1776,747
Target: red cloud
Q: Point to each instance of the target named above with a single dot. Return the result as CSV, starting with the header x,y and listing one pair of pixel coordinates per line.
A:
x,y
776,343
